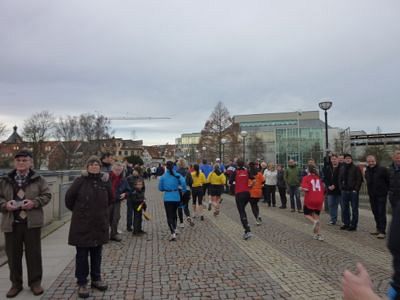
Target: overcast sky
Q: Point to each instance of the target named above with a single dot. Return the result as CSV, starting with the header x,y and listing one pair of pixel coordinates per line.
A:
x,y
179,58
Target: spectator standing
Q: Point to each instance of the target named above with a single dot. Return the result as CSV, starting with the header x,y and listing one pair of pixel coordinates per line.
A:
x,y
377,178
394,180
292,179
107,161
281,184
130,204
120,190
23,193
350,180
89,198
331,179
271,178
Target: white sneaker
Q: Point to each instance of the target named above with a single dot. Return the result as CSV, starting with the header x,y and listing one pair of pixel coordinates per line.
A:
x,y
182,225
315,236
258,221
247,235
320,238
173,237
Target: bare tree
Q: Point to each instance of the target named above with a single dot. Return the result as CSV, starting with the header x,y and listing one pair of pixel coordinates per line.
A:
x,y
95,128
37,129
3,129
256,146
67,131
219,125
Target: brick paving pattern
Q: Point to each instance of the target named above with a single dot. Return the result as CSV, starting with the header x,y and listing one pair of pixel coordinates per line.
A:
x,y
211,261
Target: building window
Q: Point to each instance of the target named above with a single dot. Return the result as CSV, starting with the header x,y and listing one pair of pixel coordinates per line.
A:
x,y
119,153
126,152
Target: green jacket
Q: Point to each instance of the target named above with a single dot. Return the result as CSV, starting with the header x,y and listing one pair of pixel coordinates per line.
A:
x,y
292,177
36,189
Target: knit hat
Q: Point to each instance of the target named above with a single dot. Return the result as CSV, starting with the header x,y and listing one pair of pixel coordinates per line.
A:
x,y
93,159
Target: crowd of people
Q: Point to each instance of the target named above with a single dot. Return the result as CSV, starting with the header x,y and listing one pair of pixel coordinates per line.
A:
x,y
95,199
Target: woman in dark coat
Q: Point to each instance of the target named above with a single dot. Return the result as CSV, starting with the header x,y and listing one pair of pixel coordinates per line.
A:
x,y
89,198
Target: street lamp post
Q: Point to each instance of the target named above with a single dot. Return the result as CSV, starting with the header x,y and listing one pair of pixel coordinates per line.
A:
x,y
223,142
244,134
326,105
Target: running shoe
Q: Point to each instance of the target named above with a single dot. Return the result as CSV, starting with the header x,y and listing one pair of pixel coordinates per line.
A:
x,y
258,221
182,225
209,206
173,237
247,235
190,221
202,218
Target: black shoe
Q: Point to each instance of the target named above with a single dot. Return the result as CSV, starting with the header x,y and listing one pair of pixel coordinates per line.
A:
x,y
201,218
352,228
141,231
344,227
282,207
129,229
14,291
100,285
83,292
273,205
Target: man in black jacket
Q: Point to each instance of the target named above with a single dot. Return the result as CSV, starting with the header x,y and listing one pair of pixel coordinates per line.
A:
x,y
350,180
331,180
394,178
377,178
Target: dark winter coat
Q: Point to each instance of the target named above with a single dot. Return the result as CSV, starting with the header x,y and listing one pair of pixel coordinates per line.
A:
x,y
281,183
377,181
394,184
332,178
350,178
89,198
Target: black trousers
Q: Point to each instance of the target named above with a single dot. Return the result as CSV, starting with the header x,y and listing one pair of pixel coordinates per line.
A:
x,y
170,209
378,207
137,218
270,193
184,206
241,201
282,195
82,264
254,207
15,241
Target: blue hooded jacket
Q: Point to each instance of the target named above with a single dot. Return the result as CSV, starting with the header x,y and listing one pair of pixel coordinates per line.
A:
x,y
170,185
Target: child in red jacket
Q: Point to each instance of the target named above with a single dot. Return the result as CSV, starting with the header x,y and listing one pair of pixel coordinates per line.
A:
x,y
313,188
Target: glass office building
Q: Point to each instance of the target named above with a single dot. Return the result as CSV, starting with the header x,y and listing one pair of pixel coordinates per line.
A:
x,y
278,137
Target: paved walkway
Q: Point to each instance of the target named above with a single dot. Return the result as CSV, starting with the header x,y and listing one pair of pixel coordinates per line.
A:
x,y
211,261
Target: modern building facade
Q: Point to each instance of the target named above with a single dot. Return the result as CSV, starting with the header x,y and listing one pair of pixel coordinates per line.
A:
x,y
278,137
187,145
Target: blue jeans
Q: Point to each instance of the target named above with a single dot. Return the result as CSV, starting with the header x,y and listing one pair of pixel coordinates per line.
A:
x,y
294,192
350,198
333,203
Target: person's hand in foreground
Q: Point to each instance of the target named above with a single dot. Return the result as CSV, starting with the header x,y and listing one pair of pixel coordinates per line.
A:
x,y
358,286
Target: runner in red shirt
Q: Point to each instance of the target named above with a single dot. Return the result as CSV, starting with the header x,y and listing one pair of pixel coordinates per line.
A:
x,y
313,188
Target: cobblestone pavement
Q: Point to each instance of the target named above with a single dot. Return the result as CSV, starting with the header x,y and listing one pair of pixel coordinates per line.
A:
x,y
212,261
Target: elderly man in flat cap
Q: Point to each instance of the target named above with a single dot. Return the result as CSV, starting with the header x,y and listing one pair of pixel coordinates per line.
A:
x,y
23,193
